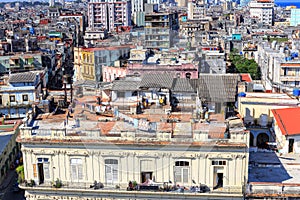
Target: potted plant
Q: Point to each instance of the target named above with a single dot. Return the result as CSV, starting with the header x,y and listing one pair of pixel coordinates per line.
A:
x,y
134,183
57,183
30,183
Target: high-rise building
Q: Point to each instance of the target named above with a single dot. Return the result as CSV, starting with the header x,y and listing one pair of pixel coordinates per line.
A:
x,y
295,17
262,11
196,10
109,15
160,29
244,2
51,2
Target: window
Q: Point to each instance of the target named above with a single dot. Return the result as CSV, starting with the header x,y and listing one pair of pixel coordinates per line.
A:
x,y
25,97
12,98
76,169
181,170
111,171
218,162
44,167
121,94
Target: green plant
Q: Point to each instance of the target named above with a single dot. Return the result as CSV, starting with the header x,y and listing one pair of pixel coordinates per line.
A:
x,y
134,183
57,183
20,172
30,183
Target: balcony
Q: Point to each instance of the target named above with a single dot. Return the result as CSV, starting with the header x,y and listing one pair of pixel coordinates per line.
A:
x,y
290,77
86,189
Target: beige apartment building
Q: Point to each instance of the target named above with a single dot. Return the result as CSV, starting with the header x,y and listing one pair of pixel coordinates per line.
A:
x,y
81,147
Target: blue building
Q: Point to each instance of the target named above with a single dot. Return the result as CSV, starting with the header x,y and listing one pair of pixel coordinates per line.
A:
x,y
18,93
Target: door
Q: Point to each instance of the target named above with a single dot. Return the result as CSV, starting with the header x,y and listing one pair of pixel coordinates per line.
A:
x,y
291,145
218,177
111,173
41,173
145,176
220,180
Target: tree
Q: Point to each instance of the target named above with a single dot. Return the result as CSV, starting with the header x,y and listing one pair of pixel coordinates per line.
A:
x,y
244,65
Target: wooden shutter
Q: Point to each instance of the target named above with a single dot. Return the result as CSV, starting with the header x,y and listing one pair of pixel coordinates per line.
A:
x,y
34,171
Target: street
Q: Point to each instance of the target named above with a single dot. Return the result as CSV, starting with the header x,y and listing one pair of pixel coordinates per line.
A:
x,y
10,193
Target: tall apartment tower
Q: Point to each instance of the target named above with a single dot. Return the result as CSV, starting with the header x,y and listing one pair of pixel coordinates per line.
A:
x,y
161,29
262,11
295,17
196,10
51,3
244,3
109,14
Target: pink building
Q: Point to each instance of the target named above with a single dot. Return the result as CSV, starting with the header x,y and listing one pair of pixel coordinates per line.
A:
x,y
111,73
188,70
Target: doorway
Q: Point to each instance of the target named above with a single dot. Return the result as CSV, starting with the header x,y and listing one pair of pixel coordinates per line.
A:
x,y
146,176
218,180
262,140
291,145
41,173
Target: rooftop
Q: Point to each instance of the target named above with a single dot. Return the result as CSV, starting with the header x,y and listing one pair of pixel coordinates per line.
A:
x,y
287,120
87,122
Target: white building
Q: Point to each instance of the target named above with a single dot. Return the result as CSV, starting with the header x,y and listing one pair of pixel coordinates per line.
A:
x,y
85,148
109,14
196,10
262,11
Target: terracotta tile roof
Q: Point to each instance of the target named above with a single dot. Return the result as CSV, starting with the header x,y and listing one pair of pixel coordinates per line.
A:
x,y
290,64
288,120
246,78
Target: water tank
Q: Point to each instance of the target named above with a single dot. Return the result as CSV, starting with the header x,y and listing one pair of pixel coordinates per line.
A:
x,y
296,92
242,94
263,120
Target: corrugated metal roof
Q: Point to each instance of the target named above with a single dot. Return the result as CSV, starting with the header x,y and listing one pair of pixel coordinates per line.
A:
x,y
157,81
27,77
182,85
218,87
125,85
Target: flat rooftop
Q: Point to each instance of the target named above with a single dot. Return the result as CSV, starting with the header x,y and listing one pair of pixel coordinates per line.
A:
x,y
273,167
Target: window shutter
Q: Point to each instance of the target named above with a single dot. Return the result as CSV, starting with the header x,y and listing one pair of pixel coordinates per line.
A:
x,y
108,173
80,172
73,172
34,171
115,173
177,174
185,175
46,171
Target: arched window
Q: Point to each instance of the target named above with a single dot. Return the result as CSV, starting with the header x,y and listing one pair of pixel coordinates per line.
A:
x,y
188,75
